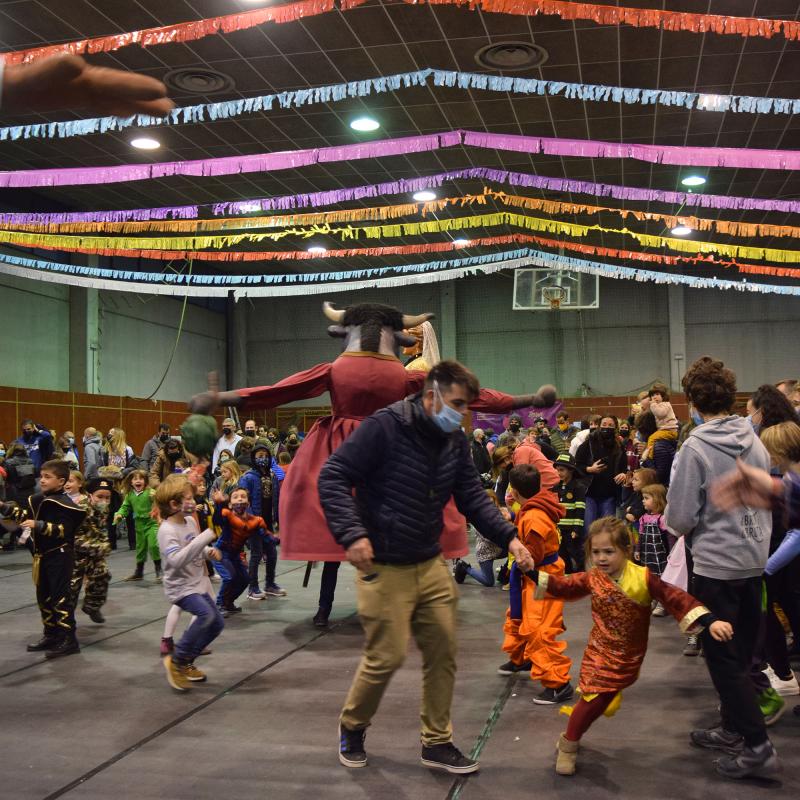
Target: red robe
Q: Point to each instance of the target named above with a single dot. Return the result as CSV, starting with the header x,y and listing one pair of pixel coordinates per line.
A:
x,y
618,640
359,384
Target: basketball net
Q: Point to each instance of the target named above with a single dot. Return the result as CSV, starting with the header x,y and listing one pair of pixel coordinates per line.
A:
x,y
554,295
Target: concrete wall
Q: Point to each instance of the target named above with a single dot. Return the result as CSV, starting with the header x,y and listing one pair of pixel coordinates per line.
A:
x,y
615,349
34,344
135,337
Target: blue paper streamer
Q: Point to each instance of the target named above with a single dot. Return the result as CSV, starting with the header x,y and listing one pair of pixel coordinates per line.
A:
x,y
426,272
298,98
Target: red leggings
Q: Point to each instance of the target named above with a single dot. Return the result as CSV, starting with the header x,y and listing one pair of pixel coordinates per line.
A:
x,y
584,714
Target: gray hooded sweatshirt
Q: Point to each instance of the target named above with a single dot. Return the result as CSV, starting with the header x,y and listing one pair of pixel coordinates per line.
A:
x,y
724,545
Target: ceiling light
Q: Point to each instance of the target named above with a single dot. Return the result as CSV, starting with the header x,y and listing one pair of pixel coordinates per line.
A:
x,y
424,196
145,143
365,124
317,250
693,180
249,208
681,230
462,242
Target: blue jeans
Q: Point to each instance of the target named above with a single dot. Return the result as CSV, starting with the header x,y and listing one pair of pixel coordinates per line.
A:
x,y
205,628
234,579
484,576
262,547
596,508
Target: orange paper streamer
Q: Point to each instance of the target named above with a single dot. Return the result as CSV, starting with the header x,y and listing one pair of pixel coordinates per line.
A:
x,y
291,12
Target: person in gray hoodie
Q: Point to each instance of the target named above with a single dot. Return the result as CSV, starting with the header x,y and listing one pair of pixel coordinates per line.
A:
x,y
92,443
728,550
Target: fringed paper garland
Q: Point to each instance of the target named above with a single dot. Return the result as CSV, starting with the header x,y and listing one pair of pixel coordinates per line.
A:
x,y
240,286
290,12
300,98
378,213
403,229
406,186
732,157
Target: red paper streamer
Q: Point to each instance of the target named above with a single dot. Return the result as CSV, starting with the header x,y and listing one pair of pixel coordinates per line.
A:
x,y
182,32
433,247
291,12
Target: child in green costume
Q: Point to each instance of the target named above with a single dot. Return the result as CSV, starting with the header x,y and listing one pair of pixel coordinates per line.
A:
x,y
139,499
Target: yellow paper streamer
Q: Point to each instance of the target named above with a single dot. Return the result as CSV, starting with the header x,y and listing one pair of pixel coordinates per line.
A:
x,y
403,229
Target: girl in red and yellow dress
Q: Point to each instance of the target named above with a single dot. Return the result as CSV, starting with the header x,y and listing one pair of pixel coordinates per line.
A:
x,y
622,594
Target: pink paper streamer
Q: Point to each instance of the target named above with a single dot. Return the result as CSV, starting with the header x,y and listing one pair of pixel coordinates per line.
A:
x,y
740,158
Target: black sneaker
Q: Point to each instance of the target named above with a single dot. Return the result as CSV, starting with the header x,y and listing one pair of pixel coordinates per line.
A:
x,y
448,758
510,668
751,762
94,615
65,647
321,618
550,696
718,739
460,570
693,646
351,747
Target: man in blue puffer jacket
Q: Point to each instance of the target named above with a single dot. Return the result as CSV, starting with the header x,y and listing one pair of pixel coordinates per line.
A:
x,y
263,483
404,463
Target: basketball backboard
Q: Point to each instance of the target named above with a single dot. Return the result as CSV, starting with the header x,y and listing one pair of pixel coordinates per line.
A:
x,y
543,289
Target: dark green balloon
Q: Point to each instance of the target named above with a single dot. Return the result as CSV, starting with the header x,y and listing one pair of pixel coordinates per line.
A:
x,y
199,435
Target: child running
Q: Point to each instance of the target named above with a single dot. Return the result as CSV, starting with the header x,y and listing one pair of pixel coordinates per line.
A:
x,y
184,550
139,499
621,593
532,625
238,525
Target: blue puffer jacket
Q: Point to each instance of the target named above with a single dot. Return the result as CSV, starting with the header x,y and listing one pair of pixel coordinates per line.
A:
x,y
404,470
251,481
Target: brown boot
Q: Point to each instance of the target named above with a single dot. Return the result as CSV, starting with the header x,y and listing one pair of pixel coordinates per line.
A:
x,y
567,755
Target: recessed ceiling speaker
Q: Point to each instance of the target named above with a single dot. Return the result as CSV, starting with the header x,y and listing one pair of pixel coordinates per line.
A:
x,y
197,80
511,56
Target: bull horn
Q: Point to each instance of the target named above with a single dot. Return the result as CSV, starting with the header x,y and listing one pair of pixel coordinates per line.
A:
x,y
332,314
410,321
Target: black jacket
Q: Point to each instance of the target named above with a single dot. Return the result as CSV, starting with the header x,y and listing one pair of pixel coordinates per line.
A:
x,y
404,470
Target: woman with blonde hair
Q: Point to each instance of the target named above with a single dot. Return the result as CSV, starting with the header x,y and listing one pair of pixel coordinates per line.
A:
x,y
118,453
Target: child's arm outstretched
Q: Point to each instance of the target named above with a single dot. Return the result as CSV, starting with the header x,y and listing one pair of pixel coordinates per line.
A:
x,y
691,614
568,587
124,509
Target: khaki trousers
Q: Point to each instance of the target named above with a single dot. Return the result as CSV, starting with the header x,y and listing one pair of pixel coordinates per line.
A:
x,y
418,599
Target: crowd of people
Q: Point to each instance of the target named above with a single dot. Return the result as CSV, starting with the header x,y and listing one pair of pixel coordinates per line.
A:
x,y
640,486
619,510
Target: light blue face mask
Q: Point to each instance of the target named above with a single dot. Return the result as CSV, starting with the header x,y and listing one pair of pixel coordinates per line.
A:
x,y
448,419
696,417
756,427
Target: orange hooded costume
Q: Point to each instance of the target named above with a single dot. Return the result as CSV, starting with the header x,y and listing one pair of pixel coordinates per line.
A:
x,y
533,637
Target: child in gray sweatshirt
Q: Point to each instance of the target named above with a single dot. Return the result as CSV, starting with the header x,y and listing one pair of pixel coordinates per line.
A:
x,y
183,557
727,551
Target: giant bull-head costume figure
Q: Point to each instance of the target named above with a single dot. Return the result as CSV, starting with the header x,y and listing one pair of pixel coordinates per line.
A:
x,y
365,377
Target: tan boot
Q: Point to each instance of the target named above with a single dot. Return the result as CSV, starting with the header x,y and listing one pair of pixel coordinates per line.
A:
x,y
567,755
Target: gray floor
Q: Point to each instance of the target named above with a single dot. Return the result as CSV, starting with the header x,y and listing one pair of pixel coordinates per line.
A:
x,y
104,724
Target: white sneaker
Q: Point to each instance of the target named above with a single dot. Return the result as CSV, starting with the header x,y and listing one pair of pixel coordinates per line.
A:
x,y
659,610
255,595
215,578
785,688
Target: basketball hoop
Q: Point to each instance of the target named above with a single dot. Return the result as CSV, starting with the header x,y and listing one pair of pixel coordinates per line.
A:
x,y
554,295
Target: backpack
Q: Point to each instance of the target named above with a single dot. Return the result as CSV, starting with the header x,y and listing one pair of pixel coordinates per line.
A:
x,y
26,475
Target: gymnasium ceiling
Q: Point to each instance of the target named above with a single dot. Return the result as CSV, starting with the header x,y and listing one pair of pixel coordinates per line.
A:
x,y
386,37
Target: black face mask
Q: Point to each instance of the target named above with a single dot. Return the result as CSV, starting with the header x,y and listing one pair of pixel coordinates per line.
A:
x,y
624,434
172,455
249,432
607,434
514,428
164,437
226,431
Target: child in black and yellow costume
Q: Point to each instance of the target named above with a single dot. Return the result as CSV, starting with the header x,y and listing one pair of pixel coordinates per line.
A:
x,y
48,528
91,549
